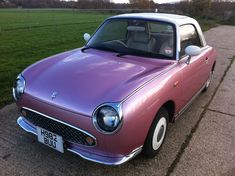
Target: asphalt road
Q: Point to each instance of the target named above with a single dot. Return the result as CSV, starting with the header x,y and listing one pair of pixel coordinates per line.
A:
x,y
201,142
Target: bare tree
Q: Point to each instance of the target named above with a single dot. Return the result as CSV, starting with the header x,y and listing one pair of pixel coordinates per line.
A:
x,y
201,7
142,4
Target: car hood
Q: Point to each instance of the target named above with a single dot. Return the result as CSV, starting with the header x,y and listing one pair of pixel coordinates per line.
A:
x,y
82,81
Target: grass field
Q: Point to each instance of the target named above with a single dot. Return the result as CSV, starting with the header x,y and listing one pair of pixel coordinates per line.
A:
x,y
30,35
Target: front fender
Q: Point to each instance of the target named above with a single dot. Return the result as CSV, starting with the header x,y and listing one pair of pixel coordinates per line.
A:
x,y
140,109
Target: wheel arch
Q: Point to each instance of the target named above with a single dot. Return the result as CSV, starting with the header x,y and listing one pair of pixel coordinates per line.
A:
x,y
213,66
170,107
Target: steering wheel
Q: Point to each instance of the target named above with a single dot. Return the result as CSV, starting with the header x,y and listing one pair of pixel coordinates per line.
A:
x,y
120,42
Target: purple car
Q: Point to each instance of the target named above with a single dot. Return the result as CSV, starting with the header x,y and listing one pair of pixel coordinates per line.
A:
x,y
114,98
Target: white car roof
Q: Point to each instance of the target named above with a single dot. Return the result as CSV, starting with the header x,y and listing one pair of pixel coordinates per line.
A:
x,y
171,18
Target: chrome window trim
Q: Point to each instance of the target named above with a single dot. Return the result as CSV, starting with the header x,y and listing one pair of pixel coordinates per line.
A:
x,y
76,128
177,43
118,108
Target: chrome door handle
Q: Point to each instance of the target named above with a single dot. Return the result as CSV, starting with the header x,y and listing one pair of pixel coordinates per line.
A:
x,y
207,60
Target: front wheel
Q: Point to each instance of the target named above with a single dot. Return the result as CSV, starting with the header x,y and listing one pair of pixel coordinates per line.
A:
x,y
156,134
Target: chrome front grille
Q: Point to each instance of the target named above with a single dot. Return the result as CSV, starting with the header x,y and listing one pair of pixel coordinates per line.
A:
x,y
68,133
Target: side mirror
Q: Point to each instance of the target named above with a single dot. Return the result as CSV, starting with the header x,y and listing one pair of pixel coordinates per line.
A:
x,y
192,51
86,37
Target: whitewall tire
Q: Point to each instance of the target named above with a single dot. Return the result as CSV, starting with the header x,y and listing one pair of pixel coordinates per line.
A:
x,y
156,134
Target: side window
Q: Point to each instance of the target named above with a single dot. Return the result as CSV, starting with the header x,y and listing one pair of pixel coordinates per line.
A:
x,y
188,36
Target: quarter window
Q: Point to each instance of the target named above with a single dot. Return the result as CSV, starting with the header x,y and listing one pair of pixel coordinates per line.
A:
x,y
188,36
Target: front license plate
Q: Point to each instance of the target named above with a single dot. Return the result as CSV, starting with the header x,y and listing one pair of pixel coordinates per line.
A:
x,y
50,139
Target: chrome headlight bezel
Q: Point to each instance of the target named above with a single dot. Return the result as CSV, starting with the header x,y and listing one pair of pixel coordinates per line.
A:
x,y
17,90
117,107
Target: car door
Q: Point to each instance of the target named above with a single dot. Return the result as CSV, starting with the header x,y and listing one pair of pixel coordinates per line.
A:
x,y
194,72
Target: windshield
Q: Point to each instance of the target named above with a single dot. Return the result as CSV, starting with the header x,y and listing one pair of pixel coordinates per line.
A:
x,y
135,37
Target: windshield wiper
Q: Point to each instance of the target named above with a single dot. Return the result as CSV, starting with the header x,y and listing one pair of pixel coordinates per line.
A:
x,y
122,54
85,48
105,48
99,47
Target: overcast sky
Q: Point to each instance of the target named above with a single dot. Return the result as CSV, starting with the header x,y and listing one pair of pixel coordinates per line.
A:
x,y
158,1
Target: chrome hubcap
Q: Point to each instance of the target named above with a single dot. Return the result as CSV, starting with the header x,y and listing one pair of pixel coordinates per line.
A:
x,y
159,136
159,133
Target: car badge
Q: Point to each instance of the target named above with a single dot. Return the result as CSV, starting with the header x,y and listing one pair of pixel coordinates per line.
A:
x,y
53,95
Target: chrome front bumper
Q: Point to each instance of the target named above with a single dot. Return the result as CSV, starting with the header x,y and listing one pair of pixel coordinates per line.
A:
x,y
24,124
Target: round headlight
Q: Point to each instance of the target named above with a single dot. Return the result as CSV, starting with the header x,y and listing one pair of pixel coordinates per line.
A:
x,y
107,119
18,88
